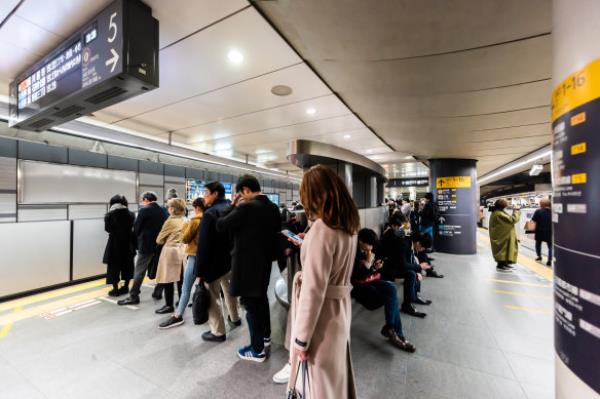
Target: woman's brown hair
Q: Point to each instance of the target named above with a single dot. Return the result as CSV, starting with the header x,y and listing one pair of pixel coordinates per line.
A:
x,y
324,195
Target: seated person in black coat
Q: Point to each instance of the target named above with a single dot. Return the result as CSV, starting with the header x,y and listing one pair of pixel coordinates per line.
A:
x,y
396,250
372,292
421,242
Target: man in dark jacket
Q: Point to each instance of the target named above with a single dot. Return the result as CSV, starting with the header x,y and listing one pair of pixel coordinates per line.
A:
x,y
428,217
543,229
213,262
147,225
254,224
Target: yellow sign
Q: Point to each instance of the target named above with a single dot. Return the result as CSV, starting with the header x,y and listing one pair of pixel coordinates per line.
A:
x,y
579,178
577,89
453,182
580,148
577,119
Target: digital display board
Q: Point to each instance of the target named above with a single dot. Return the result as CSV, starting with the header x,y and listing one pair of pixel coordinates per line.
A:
x,y
194,189
91,56
274,198
409,182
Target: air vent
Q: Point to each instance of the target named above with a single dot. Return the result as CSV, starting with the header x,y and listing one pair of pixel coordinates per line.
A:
x,y
41,123
106,95
73,109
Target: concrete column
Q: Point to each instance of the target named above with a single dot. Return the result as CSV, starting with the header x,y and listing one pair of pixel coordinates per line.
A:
x,y
455,191
576,207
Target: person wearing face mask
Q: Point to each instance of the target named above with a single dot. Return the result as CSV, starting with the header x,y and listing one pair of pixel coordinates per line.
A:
x,y
396,250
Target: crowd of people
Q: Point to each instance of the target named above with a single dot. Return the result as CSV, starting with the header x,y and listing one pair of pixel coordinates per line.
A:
x,y
229,248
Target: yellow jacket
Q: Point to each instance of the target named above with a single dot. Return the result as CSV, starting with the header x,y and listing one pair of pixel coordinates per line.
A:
x,y
190,235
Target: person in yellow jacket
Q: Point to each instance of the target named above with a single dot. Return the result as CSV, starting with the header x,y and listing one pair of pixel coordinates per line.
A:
x,y
503,236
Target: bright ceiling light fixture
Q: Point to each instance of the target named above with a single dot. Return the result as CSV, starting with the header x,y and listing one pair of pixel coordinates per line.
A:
x,y
536,169
509,167
311,111
369,151
347,136
235,56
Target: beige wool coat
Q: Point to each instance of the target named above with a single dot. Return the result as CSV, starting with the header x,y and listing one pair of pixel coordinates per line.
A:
x,y
322,312
172,255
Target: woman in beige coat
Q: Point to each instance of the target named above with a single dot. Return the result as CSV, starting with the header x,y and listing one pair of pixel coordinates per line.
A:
x,y
321,307
172,255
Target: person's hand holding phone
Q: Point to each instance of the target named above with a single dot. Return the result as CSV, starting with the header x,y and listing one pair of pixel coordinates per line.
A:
x,y
236,199
378,264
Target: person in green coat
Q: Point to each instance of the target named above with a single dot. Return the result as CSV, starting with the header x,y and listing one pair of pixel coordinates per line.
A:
x,y
503,236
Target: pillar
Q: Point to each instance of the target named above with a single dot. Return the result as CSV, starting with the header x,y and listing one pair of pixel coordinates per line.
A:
x,y
454,183
576,205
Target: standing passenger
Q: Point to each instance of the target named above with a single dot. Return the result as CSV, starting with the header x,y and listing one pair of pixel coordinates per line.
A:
x,y
189,236
543,229
172,254
213,263
428,217
147,225
503,236
321,306
120,248
254,225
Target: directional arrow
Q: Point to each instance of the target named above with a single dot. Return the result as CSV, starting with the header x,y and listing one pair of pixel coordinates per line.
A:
x,y
442,220
113,60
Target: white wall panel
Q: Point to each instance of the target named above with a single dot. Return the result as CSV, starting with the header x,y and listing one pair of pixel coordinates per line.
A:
x,y
93,211
36,214
24,269
89,241
53,183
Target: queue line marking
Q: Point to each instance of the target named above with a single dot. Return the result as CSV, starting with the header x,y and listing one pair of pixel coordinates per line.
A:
x,y
529,309
523,294
495,280
7,327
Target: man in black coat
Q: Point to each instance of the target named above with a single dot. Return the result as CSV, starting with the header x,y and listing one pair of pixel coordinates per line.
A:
x,y
147,225
254,224
543,229
213,262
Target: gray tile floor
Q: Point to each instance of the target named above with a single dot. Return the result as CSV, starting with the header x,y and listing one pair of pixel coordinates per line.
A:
x,y
469,346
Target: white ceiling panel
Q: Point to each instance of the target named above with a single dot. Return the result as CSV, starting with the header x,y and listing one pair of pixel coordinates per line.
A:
x,y
325,107
243,98
61,17
179,18
200,63
25,35
6,6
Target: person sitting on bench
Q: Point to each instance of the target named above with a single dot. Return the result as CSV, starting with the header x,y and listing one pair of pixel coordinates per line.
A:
x,y
421,242
372,292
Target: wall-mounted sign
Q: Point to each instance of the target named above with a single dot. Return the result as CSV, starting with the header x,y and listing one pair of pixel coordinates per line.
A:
x,y
409,182
109,59
453,182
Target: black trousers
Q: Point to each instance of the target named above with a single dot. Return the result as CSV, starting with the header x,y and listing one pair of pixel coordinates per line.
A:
x,y
411,286
258,316
169,292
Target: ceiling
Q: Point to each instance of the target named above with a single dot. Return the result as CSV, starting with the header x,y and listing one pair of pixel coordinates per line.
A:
x,y
433,79
463,78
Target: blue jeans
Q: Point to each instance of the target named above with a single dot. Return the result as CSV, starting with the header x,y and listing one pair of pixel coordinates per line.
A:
x,y
188,283
389,293
427,230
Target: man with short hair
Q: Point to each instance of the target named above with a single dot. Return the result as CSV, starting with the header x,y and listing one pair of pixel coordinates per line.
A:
x,y
148,223
254,223
213,263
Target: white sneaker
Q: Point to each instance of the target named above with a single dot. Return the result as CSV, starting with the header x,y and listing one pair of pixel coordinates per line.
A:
x,y
283,375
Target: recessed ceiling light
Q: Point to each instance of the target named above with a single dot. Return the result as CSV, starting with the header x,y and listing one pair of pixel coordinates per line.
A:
x,y
281,90
369,151
311,111
347,136
235,56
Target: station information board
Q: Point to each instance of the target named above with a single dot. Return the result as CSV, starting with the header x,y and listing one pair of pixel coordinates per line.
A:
x,y
409,182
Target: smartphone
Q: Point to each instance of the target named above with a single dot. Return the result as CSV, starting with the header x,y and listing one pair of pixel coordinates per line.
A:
x,y
293,236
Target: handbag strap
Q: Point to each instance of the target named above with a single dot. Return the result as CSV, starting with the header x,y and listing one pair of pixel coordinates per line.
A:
x,y
305,378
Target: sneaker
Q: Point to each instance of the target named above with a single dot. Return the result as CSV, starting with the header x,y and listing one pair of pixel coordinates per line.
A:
x,y
283,375
267,342
234,324
210,337
172,321
249,354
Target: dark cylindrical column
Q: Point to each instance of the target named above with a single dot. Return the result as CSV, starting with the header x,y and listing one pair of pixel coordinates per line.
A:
x,y
454,183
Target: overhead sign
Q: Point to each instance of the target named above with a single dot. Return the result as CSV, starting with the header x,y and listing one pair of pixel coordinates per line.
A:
x,y
409,182
453,182
80,75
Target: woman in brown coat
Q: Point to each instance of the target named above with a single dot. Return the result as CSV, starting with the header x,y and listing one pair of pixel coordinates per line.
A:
x,y
321,307
172,255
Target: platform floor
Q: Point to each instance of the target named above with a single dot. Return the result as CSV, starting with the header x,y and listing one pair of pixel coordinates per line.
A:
x,y
486,335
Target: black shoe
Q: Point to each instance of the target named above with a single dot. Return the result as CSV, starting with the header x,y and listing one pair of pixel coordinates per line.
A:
x,y
156,296
171,322
210,337
386,331
164,310
234,324
129,301
422,301
410,310
123,290
401,343
503,269
549,263
538,259
433,273
113,292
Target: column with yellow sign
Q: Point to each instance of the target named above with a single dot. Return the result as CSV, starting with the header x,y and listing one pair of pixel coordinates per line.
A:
x,y
576,200
455,193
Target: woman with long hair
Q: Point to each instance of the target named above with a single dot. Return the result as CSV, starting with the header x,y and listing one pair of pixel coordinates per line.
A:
x,y
120,248
321,305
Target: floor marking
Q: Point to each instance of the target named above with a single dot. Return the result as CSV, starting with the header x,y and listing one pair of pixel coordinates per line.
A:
x,y
7,327
528,309
495,280
117,302
523,294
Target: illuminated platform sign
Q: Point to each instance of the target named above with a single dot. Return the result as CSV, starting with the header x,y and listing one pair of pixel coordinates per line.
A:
x,y
111,58
409,182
